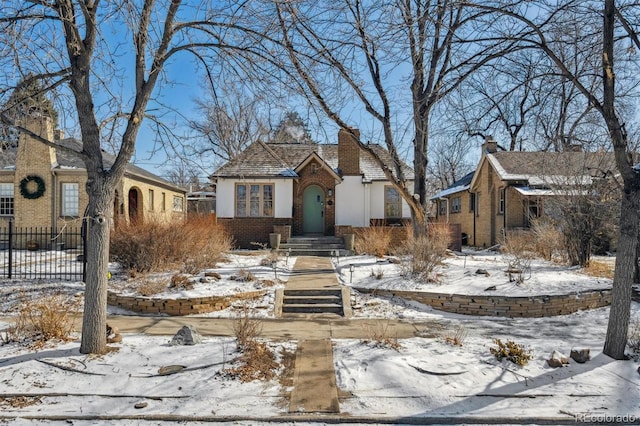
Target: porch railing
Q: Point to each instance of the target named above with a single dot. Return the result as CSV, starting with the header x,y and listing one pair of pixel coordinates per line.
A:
x,y
43,253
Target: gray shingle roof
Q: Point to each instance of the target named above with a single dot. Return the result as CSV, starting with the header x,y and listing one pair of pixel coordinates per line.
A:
x,y
67,160
279,160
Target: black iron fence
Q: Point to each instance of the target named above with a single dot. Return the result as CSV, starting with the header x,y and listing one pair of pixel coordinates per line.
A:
x,y
43,253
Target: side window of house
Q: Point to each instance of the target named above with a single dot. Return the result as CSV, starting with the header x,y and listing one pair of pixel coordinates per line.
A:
x,y
455,205
501,201
163,202
477,204
151,200
254,200
392,203
6,199
472,202
177,203
443,207
70,200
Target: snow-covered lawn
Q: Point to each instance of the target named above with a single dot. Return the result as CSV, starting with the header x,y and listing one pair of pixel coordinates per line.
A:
x,y
425,376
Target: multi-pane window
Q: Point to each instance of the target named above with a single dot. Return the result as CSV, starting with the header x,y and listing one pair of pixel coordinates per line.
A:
x,y
501,201
6,199
177,204
456,204
472,202
392,203
254,200
442,207
70,200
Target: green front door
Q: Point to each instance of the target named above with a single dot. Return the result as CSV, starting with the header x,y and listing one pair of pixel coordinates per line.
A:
x,y
313,210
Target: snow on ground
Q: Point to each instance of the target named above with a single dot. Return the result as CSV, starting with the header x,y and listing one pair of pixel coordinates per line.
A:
x,y
426,376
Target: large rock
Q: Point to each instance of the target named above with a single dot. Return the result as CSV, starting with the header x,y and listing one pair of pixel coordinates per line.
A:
x,y
557,360
580,355
187,335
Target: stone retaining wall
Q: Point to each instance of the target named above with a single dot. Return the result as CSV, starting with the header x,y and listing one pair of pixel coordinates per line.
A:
x,y
177,307
504,306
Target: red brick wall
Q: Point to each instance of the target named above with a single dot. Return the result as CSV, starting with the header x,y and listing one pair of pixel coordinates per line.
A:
x,y
314,174
348,153
247,230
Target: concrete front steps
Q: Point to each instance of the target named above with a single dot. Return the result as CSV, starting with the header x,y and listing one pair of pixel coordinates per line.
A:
x,y
315,301
313,246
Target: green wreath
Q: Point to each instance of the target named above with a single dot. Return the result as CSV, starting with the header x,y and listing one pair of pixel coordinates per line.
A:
x,y
24,187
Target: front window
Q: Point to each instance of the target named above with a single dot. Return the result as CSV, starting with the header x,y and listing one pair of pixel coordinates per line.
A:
x,y
254,200
392,203
70,202
455,205
6,199
177,203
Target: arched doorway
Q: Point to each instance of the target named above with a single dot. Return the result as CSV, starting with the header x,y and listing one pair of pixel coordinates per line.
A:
x,y
313,210
135,206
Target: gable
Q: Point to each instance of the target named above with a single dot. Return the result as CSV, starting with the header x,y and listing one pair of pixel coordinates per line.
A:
x,y
314,160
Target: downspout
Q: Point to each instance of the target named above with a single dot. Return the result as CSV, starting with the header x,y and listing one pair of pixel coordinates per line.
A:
x,y
475,214
504,215
54,193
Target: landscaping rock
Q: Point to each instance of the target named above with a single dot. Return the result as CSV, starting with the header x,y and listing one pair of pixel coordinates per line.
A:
x,y
140,405
557,360
482,272
187,335
491,288
213,275
580,355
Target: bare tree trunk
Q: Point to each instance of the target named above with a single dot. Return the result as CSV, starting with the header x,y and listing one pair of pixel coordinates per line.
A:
x,y
99,212
618,326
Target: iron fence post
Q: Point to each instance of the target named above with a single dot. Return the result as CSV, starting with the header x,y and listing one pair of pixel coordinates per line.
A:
x,y
83,236
10,247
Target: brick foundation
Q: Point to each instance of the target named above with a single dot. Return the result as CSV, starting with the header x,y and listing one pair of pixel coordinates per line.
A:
x,y
248,230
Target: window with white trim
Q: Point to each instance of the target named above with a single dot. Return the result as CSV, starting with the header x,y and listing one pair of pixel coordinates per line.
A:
x,y
70,200
6,199
254,200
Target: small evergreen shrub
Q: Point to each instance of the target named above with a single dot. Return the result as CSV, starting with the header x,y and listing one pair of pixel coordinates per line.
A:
x,y
511,351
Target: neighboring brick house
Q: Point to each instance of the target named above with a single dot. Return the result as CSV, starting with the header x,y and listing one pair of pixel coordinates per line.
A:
x,y
510,188
309,188
41,186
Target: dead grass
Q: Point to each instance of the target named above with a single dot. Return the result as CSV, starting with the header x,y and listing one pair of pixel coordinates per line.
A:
x,y
156,246
42,320
457,337
599,269
547,238
381,337
150,287
373,240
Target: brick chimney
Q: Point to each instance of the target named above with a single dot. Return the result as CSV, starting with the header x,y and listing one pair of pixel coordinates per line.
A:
x,y
349,152
489,146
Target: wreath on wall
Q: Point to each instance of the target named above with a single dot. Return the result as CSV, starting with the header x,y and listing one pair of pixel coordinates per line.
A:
x,y
24,187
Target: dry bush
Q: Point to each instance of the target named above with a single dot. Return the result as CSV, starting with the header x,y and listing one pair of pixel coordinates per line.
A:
x,y
257,362
381,338
379,274
149,287
374,240
548,238
511,351
419,257
158,246
243,276
457,337
246,329
519,250
180,281
633,340
44,319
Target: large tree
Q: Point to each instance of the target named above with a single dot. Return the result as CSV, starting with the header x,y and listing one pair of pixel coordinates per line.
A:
x,y
618,23
393,60
110,58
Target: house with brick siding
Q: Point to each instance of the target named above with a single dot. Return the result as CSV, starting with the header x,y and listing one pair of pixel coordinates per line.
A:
x,y
305,188
509,189
43,186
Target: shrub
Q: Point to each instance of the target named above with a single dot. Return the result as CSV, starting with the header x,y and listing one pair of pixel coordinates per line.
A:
x,y
246,329
547,238
511,351
381,338
153,246
518,249
420,256
44,319
374,240
456,338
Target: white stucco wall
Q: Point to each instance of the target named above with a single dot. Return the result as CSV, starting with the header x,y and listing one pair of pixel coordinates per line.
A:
x,y
352,202
282,197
